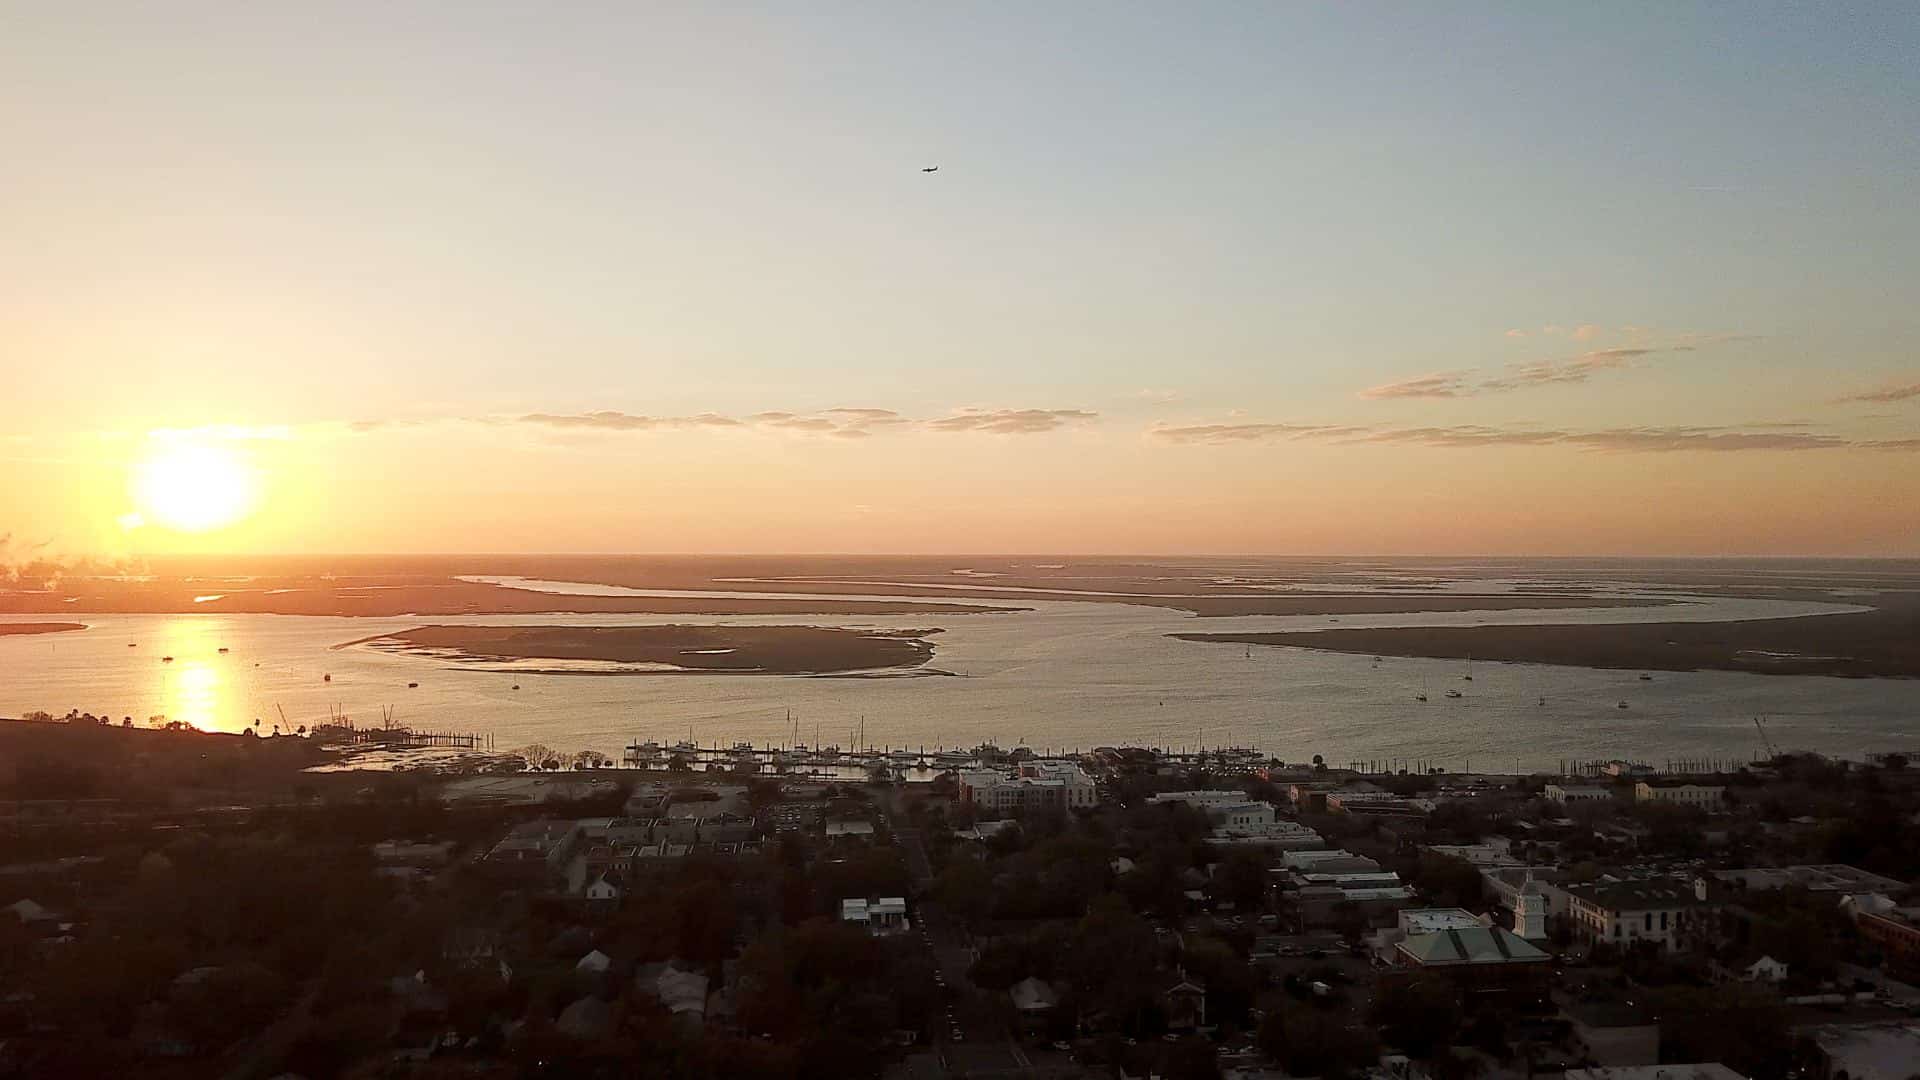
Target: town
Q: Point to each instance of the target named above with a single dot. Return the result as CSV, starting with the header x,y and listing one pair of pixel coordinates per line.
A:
x,y
178,903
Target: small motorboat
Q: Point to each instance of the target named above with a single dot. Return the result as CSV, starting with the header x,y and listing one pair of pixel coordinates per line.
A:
x,y
1622,705
166,659
133,644
1453,693
223,650
1646,678
326,678
413,686
516,686
1419,697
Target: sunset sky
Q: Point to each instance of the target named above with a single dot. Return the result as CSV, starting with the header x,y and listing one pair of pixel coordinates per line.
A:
x,y
1631,279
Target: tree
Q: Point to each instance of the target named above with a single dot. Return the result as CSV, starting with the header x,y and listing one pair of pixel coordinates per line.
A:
x,y
1307,1041
1417,1015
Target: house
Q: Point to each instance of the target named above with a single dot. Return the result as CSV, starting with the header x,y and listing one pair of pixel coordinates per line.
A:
x,y
1665,911
1032,1000
1185,1004
586,1019
604,891
684,994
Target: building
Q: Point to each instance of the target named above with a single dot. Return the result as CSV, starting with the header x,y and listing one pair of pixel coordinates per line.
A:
x,y
1497,852
1883,1051
1614,1033
1242,815
1666,911
1458,944
1199,800
1821,877
887,915
1708,1070
1506,883
1034,785
1374,804
1577,793
1708,797
1285,835
1895,929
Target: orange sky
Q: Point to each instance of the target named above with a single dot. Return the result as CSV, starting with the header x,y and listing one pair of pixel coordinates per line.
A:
x,y
1265,280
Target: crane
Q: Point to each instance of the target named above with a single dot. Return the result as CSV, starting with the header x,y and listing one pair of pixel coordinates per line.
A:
x,y
1765,741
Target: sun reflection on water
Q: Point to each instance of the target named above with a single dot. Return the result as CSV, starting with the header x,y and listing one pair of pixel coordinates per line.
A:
x,y
194,688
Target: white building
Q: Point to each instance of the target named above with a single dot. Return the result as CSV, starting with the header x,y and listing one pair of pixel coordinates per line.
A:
x,y
1573,793
1242,815
887,915
1034,784
1707,797
1664,911
1286,835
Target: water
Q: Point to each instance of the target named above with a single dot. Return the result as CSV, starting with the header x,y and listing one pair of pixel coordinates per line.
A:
x,y
1064,675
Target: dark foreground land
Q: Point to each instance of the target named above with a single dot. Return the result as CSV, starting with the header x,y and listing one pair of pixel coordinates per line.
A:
x,y
1881,643
778,650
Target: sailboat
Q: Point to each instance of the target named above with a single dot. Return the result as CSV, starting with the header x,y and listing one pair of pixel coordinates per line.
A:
x,y
1422,695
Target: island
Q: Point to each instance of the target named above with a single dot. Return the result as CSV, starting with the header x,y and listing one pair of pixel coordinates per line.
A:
x,y
1883,642
21,629
667,650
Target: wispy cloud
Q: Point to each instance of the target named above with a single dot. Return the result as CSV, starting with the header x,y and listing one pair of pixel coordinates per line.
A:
x,y
1440,384
1010,421
1472,382
1885,395
1469,436
844,422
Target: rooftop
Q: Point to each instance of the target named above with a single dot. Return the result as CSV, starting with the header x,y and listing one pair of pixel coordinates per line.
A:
x,y
1433,920
1637,895
1822,877
1476,945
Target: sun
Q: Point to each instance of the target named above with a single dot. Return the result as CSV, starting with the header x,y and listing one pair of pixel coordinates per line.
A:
x,y
194,488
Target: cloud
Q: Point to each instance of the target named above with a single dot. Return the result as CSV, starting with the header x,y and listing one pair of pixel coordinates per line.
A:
x,y
1237,433
1440,384
1157,396
1472,382
1010,421
844,422
870,416
1472,436
1885,395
